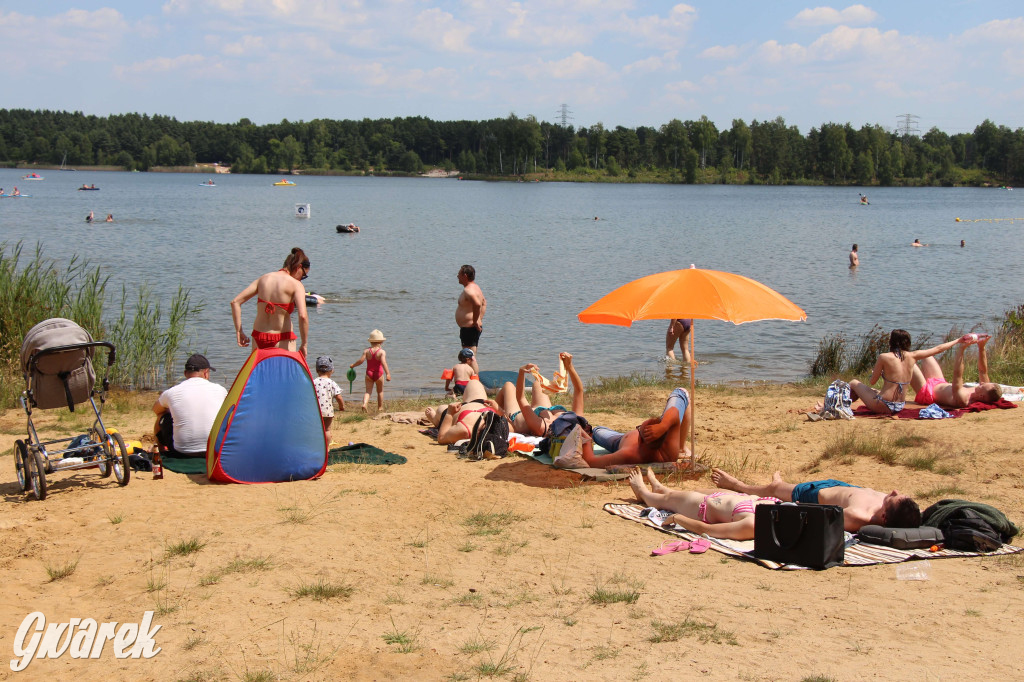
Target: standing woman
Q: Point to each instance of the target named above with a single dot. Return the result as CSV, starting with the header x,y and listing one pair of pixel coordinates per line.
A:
x,y
678,330
895,369
278,294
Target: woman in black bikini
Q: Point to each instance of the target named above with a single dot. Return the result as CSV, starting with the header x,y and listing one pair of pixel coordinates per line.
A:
x,y
278,294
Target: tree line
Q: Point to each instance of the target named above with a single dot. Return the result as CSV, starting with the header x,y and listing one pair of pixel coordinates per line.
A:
x,y
769,152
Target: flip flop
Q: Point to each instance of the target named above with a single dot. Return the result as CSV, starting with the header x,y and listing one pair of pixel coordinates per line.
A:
x,y
670,546
699,546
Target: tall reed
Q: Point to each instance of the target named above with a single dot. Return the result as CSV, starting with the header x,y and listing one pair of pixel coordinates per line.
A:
x,y
36,288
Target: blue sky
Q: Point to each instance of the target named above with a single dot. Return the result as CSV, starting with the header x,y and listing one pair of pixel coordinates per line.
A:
x,y
617,62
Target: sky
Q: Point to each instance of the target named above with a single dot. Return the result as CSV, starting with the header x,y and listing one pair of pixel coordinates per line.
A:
x,y
615,62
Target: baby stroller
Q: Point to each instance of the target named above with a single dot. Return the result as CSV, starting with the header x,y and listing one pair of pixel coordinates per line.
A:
x,y
56,360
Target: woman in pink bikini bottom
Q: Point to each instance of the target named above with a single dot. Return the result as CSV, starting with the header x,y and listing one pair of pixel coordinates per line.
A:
x,y
719,513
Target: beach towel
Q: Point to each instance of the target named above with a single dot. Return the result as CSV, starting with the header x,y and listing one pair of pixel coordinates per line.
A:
x,y
905,413
184,465
856,553
1001,404
361,453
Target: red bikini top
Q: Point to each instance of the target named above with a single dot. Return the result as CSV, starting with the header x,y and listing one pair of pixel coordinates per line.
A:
x,y
269,308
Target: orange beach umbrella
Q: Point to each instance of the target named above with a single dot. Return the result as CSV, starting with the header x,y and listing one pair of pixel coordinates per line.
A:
x,y
692,293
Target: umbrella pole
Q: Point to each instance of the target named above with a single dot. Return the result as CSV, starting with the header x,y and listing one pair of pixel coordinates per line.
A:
x,y
693,421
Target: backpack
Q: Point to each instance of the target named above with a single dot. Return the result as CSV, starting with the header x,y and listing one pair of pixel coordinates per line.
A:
x,y
945,511
488,439
838,403
970,532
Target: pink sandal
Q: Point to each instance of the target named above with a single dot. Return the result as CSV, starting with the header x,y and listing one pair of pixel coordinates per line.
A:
x,y
670,546
699,546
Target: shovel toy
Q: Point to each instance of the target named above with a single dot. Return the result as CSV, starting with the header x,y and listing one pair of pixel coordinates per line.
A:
x,y
351,376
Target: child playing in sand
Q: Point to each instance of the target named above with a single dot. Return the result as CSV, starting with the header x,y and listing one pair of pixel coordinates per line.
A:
x,y
460,373
328,391
376,368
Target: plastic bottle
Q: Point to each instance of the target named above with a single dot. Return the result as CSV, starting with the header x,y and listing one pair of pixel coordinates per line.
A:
x,y
914,570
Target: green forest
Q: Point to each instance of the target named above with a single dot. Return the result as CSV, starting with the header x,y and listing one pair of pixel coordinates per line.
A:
x,y
761,152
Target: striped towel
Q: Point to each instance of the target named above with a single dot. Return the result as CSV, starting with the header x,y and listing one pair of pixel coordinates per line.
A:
x,y
856,553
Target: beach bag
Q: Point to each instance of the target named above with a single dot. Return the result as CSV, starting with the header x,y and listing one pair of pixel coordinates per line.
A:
x,y
567,451
808,535
901,538
489,438
838,403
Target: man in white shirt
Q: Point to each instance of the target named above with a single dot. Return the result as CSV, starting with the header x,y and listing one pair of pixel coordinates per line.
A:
x,y
186,412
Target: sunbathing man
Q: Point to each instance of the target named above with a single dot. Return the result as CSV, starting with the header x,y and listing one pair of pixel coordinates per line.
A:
x,y
932,387
534,417
658,439
455,422
718,513
861,506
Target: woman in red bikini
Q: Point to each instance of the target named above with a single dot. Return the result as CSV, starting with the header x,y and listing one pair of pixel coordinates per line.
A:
x,y
278,294
455,422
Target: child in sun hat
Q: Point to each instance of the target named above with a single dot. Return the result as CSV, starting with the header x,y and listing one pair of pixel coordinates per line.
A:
x,y
328,392
376,368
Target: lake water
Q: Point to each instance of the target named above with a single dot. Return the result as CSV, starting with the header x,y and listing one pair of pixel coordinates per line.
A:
x,y
540,257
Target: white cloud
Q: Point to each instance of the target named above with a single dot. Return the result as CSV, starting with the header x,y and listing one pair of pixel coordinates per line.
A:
x,y
654,64
998,31
161,66
853,15
442,29
668,32
680,87
843,41
577,65
772,52
247,45
721,52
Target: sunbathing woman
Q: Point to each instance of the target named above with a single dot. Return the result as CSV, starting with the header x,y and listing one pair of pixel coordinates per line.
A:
x,y
895,368
278,294
455,422
534,417
719,513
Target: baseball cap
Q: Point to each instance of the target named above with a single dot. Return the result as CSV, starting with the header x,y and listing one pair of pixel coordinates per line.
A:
x,y
465,353
197,362
324,364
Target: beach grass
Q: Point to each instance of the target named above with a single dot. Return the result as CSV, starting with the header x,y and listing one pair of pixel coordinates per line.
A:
x,y
62,569
184,547
688,627
322,590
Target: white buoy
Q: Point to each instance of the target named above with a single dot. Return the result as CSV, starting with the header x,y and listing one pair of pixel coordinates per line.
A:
x,y
302,210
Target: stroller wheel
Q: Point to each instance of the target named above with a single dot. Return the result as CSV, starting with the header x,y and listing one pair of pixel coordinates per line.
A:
x,y
103,460
37,475
21,464
119,459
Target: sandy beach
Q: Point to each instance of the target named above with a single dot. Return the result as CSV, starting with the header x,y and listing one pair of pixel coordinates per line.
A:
x,y
444,569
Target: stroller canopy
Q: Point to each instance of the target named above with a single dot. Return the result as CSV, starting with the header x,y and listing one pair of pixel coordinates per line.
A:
x,y
48,387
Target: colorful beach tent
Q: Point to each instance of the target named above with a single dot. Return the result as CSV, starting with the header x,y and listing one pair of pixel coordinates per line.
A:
x,y
269,428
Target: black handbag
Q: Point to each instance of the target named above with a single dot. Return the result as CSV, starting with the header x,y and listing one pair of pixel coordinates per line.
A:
x,y
808,535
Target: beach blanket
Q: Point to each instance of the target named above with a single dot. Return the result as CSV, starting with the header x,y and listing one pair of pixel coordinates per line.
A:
x,y
612,473
184,465
1001,404
856,553
905,413
361,453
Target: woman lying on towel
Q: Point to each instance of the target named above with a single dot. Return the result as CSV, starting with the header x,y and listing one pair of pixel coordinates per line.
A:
x,y
719,513
533,417
455,422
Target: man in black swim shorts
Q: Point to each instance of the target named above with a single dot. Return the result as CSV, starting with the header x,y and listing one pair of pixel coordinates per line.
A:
x,y
861,506
469,313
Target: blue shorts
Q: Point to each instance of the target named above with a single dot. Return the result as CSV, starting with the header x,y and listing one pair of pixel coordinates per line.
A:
x,y
808,492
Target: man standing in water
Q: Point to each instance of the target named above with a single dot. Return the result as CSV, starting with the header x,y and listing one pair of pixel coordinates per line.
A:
x,y
469,313
854,259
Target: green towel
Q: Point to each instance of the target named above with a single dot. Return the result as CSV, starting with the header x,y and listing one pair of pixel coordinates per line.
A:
x,y
361,453
185,465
